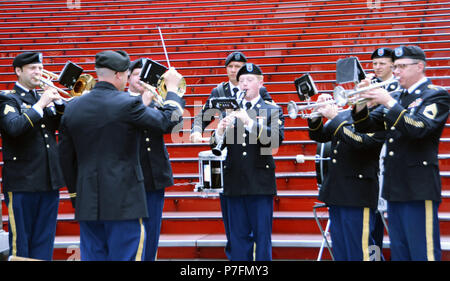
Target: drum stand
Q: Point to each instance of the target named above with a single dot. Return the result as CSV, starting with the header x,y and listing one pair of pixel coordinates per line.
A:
x,y
324,233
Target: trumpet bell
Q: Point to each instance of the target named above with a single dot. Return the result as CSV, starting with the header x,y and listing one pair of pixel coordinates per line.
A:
x,y
84,83
292,109
340,96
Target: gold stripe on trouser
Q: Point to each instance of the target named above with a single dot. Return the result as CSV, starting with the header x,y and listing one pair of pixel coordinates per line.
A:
x,y
429,229
141,242
12,223
365,234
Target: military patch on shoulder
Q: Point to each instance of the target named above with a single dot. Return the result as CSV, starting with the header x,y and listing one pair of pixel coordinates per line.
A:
x,y
430,111
8,109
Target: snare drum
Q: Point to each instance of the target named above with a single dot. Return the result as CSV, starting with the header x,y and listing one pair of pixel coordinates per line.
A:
x,y
323,151
210,169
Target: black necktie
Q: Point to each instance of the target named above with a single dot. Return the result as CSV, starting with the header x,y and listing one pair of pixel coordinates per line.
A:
x,y
248,105
235,90
403,95
33,94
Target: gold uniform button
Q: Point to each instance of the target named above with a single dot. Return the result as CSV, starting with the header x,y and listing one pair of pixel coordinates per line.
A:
x,y
391,153
14,158
267,166
244,153
48,146
360,176
334,161
391,140
425,163
335,151
45,136
244,144
43,126
149,149
147,139
392,128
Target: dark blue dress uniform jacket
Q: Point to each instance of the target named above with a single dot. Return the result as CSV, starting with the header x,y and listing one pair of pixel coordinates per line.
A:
x,y
155,158
249,168
205,117
413,127
99,151
352,177
30,152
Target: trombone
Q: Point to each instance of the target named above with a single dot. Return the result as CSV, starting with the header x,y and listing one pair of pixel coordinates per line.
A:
x,y
84,83
46,79
341,98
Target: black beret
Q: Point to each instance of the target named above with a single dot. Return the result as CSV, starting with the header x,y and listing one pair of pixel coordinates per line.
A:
x,y
136,64
115,60
382,53
27,58
408,52
235,56
249,68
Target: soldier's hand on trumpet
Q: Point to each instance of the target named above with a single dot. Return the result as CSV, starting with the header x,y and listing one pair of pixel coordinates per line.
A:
x,y
329,110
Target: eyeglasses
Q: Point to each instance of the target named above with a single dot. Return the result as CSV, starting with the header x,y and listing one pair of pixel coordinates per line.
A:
x,y
403,65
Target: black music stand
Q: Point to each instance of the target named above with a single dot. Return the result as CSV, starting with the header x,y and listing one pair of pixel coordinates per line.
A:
x,y
70,74
151,72
349,70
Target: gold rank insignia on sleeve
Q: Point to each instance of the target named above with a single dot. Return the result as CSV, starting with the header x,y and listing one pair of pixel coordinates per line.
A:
x,y
412,122
352,135
430,111
8,109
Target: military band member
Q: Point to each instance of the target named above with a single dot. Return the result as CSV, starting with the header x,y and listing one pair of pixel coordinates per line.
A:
x,y
233,63
100,134
249,168
31,173
350,187
413,120
383,64
155,165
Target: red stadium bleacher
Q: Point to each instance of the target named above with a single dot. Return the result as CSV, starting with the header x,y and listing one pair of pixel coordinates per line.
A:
x,y
287,38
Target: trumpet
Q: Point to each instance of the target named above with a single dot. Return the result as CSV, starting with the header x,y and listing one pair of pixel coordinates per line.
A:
x,y
294,110
344,97
341,98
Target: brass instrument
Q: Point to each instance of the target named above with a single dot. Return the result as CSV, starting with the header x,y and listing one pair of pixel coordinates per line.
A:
x,y
156,97
344,97
84,83
341,98
46,79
